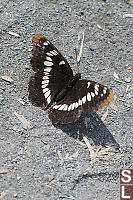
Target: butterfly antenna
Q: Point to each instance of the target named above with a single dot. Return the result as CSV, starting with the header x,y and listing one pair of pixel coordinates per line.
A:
x,y
78,55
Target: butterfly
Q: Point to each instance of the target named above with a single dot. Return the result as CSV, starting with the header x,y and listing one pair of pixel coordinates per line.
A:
x,y
54,87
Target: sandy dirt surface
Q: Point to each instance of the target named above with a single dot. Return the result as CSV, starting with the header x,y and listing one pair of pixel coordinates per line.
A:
x,y
81,161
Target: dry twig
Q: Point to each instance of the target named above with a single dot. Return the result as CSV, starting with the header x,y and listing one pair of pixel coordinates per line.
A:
x,y
81,49
4,171
105,115
7,78
26,124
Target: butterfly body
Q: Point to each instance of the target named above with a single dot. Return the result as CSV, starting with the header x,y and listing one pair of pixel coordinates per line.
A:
x,y
68,87
55,87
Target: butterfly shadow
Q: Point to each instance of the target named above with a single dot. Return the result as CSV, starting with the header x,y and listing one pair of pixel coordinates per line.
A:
x,y
91,126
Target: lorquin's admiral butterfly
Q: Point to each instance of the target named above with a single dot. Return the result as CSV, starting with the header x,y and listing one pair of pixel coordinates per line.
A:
x,y
55,87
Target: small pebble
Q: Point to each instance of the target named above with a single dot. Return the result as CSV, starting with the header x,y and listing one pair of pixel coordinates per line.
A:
x,y
92,48
15,195
1,100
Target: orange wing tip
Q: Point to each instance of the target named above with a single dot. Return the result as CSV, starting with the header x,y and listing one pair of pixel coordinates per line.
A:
x,y
36,39
109,98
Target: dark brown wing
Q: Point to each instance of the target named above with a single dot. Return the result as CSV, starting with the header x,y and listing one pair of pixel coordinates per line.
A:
x,y
85,95
52,72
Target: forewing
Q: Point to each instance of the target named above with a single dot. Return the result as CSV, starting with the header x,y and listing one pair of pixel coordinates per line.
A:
x,y
85,95
52,72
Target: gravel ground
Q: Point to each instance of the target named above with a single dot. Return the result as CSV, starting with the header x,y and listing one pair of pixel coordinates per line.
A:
x,y
37,159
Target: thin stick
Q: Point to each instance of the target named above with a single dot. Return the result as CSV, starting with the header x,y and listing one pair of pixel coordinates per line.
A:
x,y
81,49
